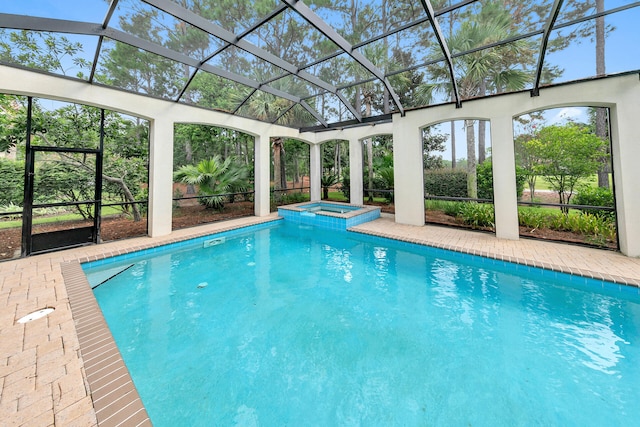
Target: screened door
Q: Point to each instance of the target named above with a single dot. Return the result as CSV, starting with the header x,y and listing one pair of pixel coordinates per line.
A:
x,y
62,198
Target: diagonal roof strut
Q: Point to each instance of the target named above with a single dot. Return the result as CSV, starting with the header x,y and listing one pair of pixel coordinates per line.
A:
x,y
312,18
231,39
555,11
426,4
105,24
63,26
273,14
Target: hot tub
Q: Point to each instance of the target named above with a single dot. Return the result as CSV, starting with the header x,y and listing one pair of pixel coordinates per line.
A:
x,y
331,215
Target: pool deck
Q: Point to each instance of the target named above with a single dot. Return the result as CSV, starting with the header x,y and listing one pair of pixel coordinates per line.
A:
x,y
64,369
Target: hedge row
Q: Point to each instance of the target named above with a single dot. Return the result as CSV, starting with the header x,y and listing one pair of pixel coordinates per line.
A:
x,y
453,182
11,182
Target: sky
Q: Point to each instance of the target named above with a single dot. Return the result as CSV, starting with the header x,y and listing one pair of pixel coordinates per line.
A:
x,y
73,10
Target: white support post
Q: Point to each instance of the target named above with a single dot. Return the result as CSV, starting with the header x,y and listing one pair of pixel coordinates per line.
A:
x,y
315,170
160,176
625,152
356,192
505,197
262,161
408,172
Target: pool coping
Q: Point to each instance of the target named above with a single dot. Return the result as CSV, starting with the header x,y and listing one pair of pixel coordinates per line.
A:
x,y
114,395
590,274
115,398
362,209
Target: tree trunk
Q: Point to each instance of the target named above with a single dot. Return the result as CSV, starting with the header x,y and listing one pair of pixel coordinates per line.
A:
x,y
119,181
296,170
369,143
453,144
127,194
602,132
336,160
482,128
283,170
277,171
472,179
188,152
453,125
385,50
601,113
358,101
600,39
532,188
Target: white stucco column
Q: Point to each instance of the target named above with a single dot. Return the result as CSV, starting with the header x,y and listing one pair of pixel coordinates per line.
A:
x,y
315,171
625,152
505,197
356,191
261,185
160,176
408,171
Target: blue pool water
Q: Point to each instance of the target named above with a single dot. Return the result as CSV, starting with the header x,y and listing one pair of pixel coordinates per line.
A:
x,y
292,325
329,207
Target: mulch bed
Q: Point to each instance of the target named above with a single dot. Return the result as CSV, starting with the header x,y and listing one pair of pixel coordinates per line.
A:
x,y
435,217
122,227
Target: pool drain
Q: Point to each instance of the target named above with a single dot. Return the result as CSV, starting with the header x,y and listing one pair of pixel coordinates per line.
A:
x,y
36,315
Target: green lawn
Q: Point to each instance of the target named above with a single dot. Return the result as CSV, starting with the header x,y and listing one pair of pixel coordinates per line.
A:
x,y
109,210
592,181
339,197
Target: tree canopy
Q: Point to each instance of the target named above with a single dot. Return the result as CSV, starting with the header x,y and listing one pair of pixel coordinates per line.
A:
x,y
564,155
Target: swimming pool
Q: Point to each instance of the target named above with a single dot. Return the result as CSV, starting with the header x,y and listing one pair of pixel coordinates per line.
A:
x,y
289,324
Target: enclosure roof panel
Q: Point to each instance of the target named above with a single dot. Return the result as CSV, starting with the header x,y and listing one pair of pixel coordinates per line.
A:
x,y
315,64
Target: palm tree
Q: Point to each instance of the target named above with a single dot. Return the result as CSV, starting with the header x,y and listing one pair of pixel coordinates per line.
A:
x,y
215,178
327,181
484,69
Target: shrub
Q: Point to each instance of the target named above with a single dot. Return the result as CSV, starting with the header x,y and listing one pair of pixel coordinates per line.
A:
x,y
215,179
595,196
485,180
446,182
386,179
448,207
10,207
600,229
279,198
588,224
345,183
477,214
453,208
11,182
327,181
532,218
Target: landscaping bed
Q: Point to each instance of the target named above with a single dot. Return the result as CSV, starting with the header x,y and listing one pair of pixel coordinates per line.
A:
x,y
122,227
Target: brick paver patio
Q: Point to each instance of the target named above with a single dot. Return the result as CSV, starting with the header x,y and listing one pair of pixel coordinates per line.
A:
x,y
48,377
